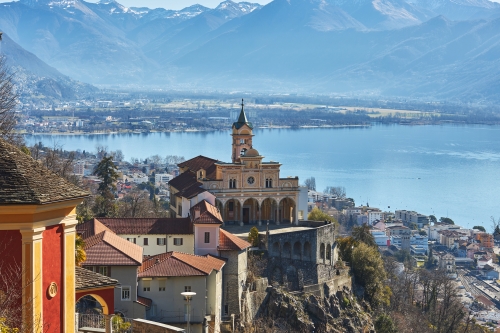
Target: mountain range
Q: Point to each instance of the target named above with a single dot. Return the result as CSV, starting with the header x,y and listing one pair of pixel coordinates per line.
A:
x,y
425,49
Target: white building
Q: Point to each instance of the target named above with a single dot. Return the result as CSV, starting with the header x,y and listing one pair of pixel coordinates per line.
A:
x,y
162,279
162,179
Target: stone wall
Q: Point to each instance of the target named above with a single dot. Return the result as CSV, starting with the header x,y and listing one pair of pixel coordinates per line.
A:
x,y
235,276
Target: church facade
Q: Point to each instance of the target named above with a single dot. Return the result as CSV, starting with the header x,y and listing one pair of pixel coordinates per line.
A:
x,y
245,190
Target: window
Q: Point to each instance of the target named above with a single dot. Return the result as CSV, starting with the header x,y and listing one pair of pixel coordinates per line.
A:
x,y
226,309
232,183
125,293
146,285
160,241
187,289
131,240
207,237
243,151
179,209
103,270
269,182
231,206
146,241
242,141
178,241
162,284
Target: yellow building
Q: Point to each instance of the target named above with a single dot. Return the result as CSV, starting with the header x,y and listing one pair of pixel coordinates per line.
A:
x,y
246,190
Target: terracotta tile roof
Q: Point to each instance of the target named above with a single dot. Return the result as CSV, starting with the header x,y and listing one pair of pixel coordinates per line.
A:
x,y
106,248
179,264
230,242
148,226
90,228
208,213
85,279
24,181
144,301
201,162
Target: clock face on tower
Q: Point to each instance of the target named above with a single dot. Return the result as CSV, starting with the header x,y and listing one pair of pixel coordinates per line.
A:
x,y
250,180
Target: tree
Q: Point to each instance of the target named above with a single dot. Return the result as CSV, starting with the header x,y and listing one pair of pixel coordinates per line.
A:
x,y
384,324
338,191
369,272
8,101
433,218
446,220
310,183
106,171
495,224
317,214
346,246
80,255
479,227
362,234
253,236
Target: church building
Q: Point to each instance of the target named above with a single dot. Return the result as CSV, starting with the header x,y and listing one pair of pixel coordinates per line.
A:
x,y
245,190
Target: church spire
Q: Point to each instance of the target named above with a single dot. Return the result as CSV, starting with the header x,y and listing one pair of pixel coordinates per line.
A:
x,y
242,119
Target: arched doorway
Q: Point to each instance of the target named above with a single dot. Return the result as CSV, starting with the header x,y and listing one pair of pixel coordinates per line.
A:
x,y
297,251
232,210
92,303
287,210
269,210
250,212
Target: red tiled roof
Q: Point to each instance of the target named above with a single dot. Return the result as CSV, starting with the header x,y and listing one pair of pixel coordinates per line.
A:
x,y
208,213
148,226
90,228
201,162
179,264
144,301
230,242
108,249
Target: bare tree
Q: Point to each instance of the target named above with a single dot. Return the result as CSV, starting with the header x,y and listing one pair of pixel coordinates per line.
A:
x,y
8,101
338,191
310,183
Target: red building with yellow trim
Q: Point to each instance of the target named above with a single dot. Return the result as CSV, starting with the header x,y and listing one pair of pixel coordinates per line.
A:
x,y
37,244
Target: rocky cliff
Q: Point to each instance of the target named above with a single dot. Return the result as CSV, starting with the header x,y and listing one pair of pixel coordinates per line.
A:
x,y
277,310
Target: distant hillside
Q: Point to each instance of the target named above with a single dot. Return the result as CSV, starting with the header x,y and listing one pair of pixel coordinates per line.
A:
x,y
428,49
33,76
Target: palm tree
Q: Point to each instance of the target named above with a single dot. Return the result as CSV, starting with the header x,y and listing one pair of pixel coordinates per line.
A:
x,y
363,234
80,255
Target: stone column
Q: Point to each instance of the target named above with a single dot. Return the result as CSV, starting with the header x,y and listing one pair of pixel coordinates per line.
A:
x,y
32,277
68,287
259,212
241,213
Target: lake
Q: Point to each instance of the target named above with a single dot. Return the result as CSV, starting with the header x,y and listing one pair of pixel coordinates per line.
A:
x,y
444,170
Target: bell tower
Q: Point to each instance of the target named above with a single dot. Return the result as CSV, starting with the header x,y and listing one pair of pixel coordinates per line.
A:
x,y
242,135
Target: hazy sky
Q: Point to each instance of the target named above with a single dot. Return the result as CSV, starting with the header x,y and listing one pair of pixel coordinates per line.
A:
x,y
171,4
177,4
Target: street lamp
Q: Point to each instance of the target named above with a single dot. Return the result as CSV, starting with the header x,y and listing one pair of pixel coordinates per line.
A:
x,y
188,295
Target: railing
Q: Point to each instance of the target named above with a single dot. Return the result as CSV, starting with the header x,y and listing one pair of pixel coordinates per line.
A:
x,y
97,323
91,321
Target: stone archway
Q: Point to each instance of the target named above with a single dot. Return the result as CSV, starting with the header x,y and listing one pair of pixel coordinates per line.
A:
x,y
307,251
250,212
276,249
232,210
287,250
269,210
287,208
297,251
